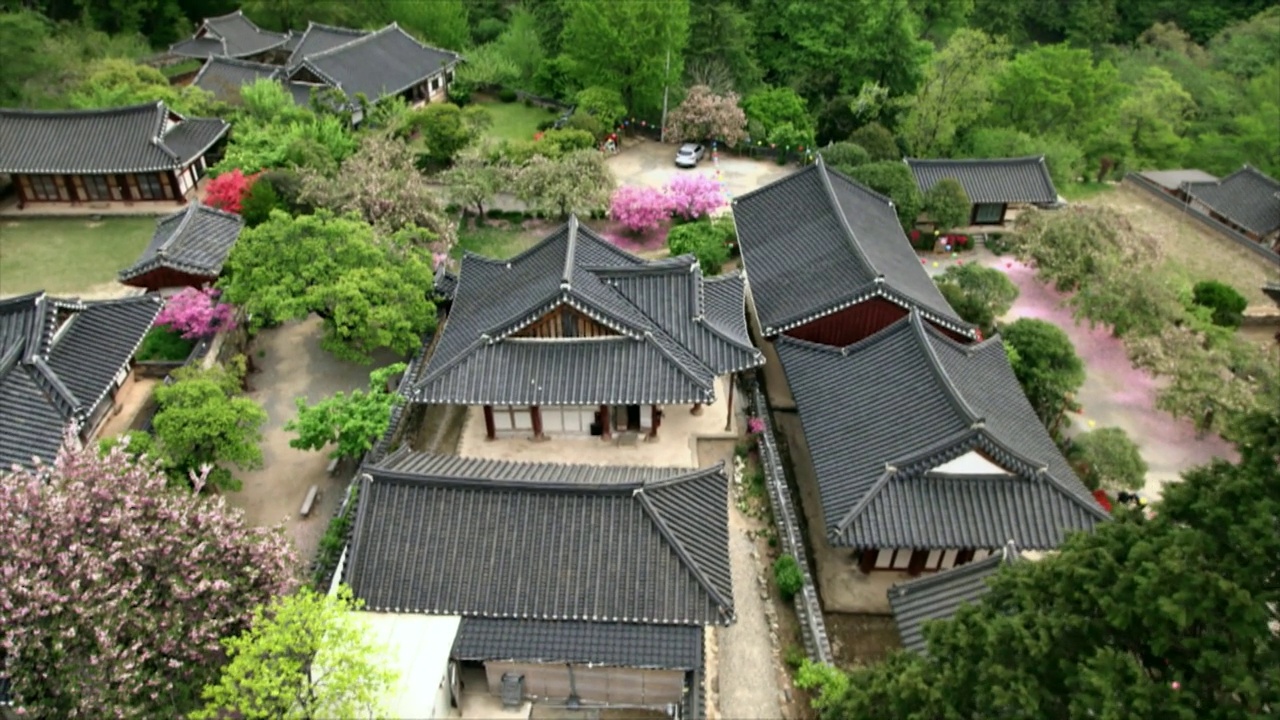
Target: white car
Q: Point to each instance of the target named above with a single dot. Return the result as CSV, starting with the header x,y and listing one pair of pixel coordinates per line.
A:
x,y
689,154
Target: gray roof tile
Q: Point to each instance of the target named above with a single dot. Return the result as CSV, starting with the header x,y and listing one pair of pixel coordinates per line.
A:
x,y
195,241
449,535
318,38
940,595
595,643
1246,197
114,140
49,379
223,77
881,414
1004,180
379,64
815,242
232,35
668,349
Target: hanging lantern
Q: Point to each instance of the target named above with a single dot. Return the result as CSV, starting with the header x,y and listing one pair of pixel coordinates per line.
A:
x,y
801,148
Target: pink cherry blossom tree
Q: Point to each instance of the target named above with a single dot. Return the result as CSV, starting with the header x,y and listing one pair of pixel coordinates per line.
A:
x,y
694,196
197,314
704,115
639,208
116,589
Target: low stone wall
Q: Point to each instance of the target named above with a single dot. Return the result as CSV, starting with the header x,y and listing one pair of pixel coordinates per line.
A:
x,y
813,629
1137,181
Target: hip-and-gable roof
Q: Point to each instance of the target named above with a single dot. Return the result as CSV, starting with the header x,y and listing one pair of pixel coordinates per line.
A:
x,y
996,180
1247,197
883,418
232,35
195,240
58,360
940,595
136,138
377,64
816,242
501,540
670,331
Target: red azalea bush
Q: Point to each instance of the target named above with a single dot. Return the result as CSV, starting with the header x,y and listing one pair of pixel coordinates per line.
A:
x,y
1101,496
639,208
228,190
197,314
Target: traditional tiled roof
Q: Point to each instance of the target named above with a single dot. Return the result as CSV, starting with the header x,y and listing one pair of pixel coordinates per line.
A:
x,y
880,417
446,282
377,64
58,360
318,38
232,35
194,241
137,138
1247,197
445,535
816,242
1003,180
1174,179
594,643
673,331
223,77
940,595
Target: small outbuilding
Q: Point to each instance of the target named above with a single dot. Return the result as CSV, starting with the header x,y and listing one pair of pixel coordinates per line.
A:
x,y
187,249
994,186
1247,201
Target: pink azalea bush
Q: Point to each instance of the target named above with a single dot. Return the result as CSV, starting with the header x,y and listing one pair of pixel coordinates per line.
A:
x,y
755,425
116,589
197,314
694,196
228,190
639,208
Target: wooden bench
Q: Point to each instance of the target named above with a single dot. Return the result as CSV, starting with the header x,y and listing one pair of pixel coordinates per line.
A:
x,y
332,467
312,495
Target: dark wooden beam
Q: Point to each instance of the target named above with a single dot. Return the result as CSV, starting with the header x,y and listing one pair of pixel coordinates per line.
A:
x,y
867,561
655,419
535,413
490,431
606,423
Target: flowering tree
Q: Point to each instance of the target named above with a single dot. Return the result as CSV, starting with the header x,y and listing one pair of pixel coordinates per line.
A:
x,y
197,314
226,191
117,589
705,115
639,208
694,196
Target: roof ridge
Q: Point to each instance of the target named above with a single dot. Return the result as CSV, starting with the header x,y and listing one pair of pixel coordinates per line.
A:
x,y
162,112
940,372
842,525
711,327
952,161
780,181
56,390
491,484
355,40
566,274
686,558
710,387
187,214
119,110
844,221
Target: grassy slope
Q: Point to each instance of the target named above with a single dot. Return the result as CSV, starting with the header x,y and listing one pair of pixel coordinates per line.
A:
x,y
514,120
68,255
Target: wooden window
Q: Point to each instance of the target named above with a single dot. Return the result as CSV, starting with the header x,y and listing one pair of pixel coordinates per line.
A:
x,y
44,187
988,213
96,187
149,187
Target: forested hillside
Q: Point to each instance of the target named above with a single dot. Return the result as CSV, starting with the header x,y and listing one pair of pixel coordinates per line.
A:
x,y
1099,86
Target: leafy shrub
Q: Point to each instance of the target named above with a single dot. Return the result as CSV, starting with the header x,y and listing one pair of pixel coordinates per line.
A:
x,y
332,542
895,180
603,103
460,94
877,141
585,123
507,95
544,125
786,572
997,243
258,204
1226,302
564,141
1107,459
794,656
947,204
164,344
845,155
707,240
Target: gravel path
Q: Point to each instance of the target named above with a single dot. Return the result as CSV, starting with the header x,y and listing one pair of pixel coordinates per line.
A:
x,y
748,678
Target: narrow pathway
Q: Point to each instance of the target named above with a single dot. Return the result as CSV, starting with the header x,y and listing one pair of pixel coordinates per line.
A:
x,y
747,675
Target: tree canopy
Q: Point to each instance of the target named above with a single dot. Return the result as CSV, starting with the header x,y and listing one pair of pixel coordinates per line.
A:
x,y
119,586
352,423
1048,368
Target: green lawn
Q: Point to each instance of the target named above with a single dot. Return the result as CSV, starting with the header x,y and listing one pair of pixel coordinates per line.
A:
x,y
495,242
1084,191
514,120
68,255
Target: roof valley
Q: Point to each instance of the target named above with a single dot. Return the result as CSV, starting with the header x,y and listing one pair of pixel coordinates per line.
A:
x,y
843,219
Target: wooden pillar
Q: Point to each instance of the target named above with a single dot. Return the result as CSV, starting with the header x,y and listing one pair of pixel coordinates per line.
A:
x,y
21,182
728,418
655,419
867,562
606,423
490,432
696,409
918,560
535,414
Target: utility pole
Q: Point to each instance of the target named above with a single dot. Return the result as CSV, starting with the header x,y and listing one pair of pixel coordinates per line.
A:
x,y
666,86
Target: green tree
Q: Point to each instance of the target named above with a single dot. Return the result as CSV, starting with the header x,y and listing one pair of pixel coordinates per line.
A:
x,y
624,46
938,18
271,131
306,656
1247,49
203,420
442,129
966,67
1106,458
878,141
113,82
1153,117
441,23
602,103
1163,617
473,181
708,240
486,67
352,423
578,182
1225,302
370,291
978,294
521,46
1048,368
258,203
895,180
845,156
947,204
23,36
1055,89
723,44
769,108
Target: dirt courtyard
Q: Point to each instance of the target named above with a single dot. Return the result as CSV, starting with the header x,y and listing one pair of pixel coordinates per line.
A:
x,y
289,363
